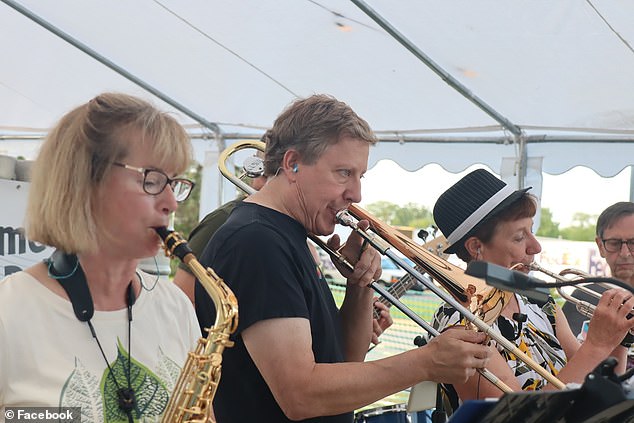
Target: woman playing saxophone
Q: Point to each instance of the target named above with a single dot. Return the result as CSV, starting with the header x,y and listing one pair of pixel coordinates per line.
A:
x,y
85,328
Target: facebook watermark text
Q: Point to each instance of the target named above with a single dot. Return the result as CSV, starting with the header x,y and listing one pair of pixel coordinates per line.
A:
x,y
42,414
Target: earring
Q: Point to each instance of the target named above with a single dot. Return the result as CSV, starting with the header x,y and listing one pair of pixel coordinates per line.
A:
x,y
295,168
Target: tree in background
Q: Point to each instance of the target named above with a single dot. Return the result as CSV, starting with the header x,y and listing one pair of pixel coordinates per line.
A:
x,y
417,216
411,214
547,226
582,229
186,217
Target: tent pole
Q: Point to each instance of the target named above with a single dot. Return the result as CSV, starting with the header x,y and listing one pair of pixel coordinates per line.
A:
x,y
450,80
455,84
632,183
83,47
523,163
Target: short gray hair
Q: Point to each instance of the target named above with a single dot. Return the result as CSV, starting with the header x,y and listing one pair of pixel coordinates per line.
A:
x,y
609,216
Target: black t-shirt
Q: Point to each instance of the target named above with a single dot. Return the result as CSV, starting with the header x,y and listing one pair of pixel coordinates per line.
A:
x,y
263,257
202,233
197,241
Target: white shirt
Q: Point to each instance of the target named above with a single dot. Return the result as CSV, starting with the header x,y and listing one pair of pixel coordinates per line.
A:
x,y
49,358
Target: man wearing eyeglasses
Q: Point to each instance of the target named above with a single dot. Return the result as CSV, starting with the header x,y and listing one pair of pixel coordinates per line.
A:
x,y
615,239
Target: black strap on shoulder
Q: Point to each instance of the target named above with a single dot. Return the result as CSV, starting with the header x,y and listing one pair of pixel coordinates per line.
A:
x,y
65,268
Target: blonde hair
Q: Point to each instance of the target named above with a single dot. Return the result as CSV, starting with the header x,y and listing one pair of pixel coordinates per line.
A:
x,y
76,157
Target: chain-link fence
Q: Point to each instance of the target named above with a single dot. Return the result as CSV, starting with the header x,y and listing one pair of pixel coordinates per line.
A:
x,y
400,336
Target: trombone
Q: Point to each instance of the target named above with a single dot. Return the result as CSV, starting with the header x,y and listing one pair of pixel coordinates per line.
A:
x,y
441,270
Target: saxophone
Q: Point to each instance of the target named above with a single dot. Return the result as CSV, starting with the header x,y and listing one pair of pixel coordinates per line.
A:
x,y
192,398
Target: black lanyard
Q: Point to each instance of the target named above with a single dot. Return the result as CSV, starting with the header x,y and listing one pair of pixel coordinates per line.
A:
x,y
65,268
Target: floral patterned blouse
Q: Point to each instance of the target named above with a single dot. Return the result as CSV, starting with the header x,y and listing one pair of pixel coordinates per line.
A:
x,y
536,339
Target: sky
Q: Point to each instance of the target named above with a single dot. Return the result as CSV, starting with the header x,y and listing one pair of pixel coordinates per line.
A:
x,y
578,190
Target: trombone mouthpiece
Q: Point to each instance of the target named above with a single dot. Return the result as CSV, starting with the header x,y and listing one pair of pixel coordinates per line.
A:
x,y
344,218
520,267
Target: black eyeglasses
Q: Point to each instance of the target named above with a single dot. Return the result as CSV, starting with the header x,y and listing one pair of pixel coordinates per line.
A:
x,y
155,181
614,245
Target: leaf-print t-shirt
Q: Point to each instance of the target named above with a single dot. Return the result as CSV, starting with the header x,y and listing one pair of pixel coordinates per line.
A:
x,y
49,358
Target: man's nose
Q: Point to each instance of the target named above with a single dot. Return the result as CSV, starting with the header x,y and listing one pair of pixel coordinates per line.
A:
x,y
625,250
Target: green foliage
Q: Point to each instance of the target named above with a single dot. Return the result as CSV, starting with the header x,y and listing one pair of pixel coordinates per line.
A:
x,y
547,226
186,217
582,229
411,214
383,210
414,215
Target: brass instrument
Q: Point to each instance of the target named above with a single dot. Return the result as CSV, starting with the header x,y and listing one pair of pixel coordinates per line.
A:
x,y
470,291
440,270
443,272
583,307
192,398
398,288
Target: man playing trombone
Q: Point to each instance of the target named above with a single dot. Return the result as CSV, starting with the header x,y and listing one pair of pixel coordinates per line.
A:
x,y
200,236
484,219
296,356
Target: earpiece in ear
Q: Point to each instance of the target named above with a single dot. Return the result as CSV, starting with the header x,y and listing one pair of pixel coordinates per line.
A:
x,y
295,168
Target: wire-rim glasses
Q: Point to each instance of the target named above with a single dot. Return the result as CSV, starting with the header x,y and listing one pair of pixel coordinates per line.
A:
x,y
155,181
614,245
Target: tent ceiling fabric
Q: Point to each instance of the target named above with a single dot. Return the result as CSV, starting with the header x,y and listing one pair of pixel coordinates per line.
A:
x,y
552,68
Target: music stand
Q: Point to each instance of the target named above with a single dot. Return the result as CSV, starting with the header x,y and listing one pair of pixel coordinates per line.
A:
x,y
601,399
529,407
622,412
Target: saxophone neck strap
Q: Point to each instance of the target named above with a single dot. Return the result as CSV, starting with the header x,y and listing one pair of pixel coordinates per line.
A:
x,y
65,268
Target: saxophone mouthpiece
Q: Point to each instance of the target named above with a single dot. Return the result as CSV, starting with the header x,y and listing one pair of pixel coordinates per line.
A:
x,y
163,232
174,244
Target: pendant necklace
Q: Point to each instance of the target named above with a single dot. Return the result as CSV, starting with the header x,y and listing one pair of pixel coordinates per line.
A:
x,y
126,396
65,268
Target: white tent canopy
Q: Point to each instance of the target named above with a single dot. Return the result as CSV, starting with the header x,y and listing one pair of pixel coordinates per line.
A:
x,y
561,73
